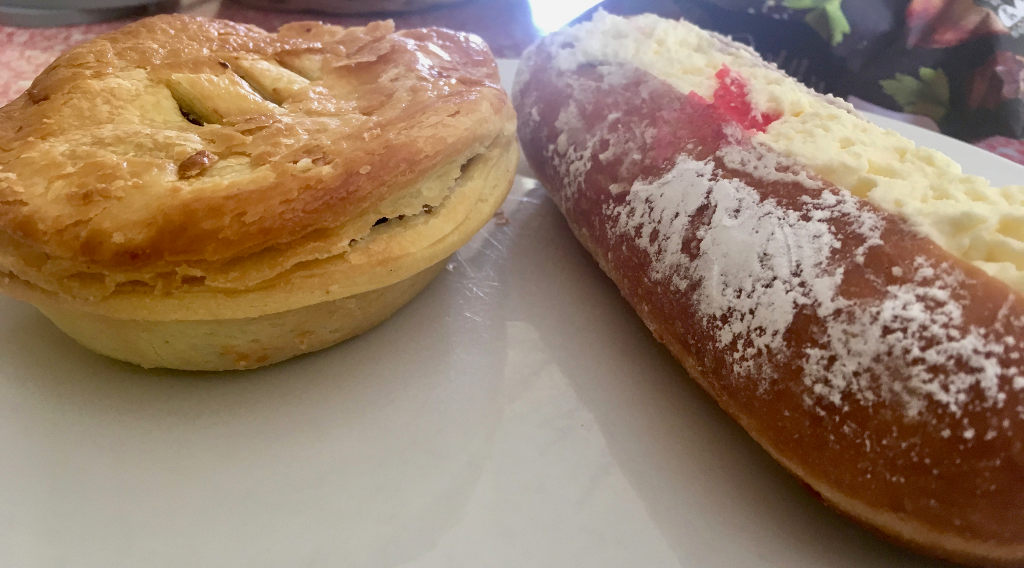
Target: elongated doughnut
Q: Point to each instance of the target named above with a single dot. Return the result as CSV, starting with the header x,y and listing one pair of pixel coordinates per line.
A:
x,y
853,301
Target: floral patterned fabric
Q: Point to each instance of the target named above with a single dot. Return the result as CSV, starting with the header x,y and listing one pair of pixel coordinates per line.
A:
x,y
959,63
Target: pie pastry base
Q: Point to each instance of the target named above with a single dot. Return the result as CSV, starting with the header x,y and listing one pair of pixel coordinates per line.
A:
x,y
234,344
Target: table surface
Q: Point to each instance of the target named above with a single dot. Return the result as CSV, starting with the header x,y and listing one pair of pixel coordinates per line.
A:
x,y
542,448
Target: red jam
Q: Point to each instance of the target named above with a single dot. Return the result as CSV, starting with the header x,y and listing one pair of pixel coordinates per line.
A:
x,y
732,100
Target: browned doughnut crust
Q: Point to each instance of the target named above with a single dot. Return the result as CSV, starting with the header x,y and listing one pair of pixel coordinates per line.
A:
x,y
893,388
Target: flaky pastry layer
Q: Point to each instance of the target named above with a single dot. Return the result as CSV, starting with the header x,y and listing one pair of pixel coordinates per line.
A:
x,y
183,153
391,252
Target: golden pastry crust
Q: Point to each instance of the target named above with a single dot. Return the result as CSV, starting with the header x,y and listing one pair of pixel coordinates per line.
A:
x,y
235,344
392,252
179,153
204,195
351,6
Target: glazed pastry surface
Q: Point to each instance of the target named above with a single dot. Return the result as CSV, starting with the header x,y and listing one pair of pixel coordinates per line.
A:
x,y
182,152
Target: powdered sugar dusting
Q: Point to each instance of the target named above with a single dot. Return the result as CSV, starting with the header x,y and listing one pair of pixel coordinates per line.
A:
x,y
760,264
916,328
752,257
572,160
666,204
768,166
624,140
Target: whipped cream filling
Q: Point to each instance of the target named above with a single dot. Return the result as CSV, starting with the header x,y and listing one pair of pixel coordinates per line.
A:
x,y
964,214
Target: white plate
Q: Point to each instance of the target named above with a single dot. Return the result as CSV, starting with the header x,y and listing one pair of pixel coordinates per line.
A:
x,y
516,414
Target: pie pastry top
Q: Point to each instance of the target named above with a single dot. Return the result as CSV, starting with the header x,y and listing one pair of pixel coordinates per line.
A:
x,y
350,6
182,152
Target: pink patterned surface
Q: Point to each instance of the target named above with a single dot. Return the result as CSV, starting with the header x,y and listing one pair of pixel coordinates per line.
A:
x,y
26,52
1009,148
